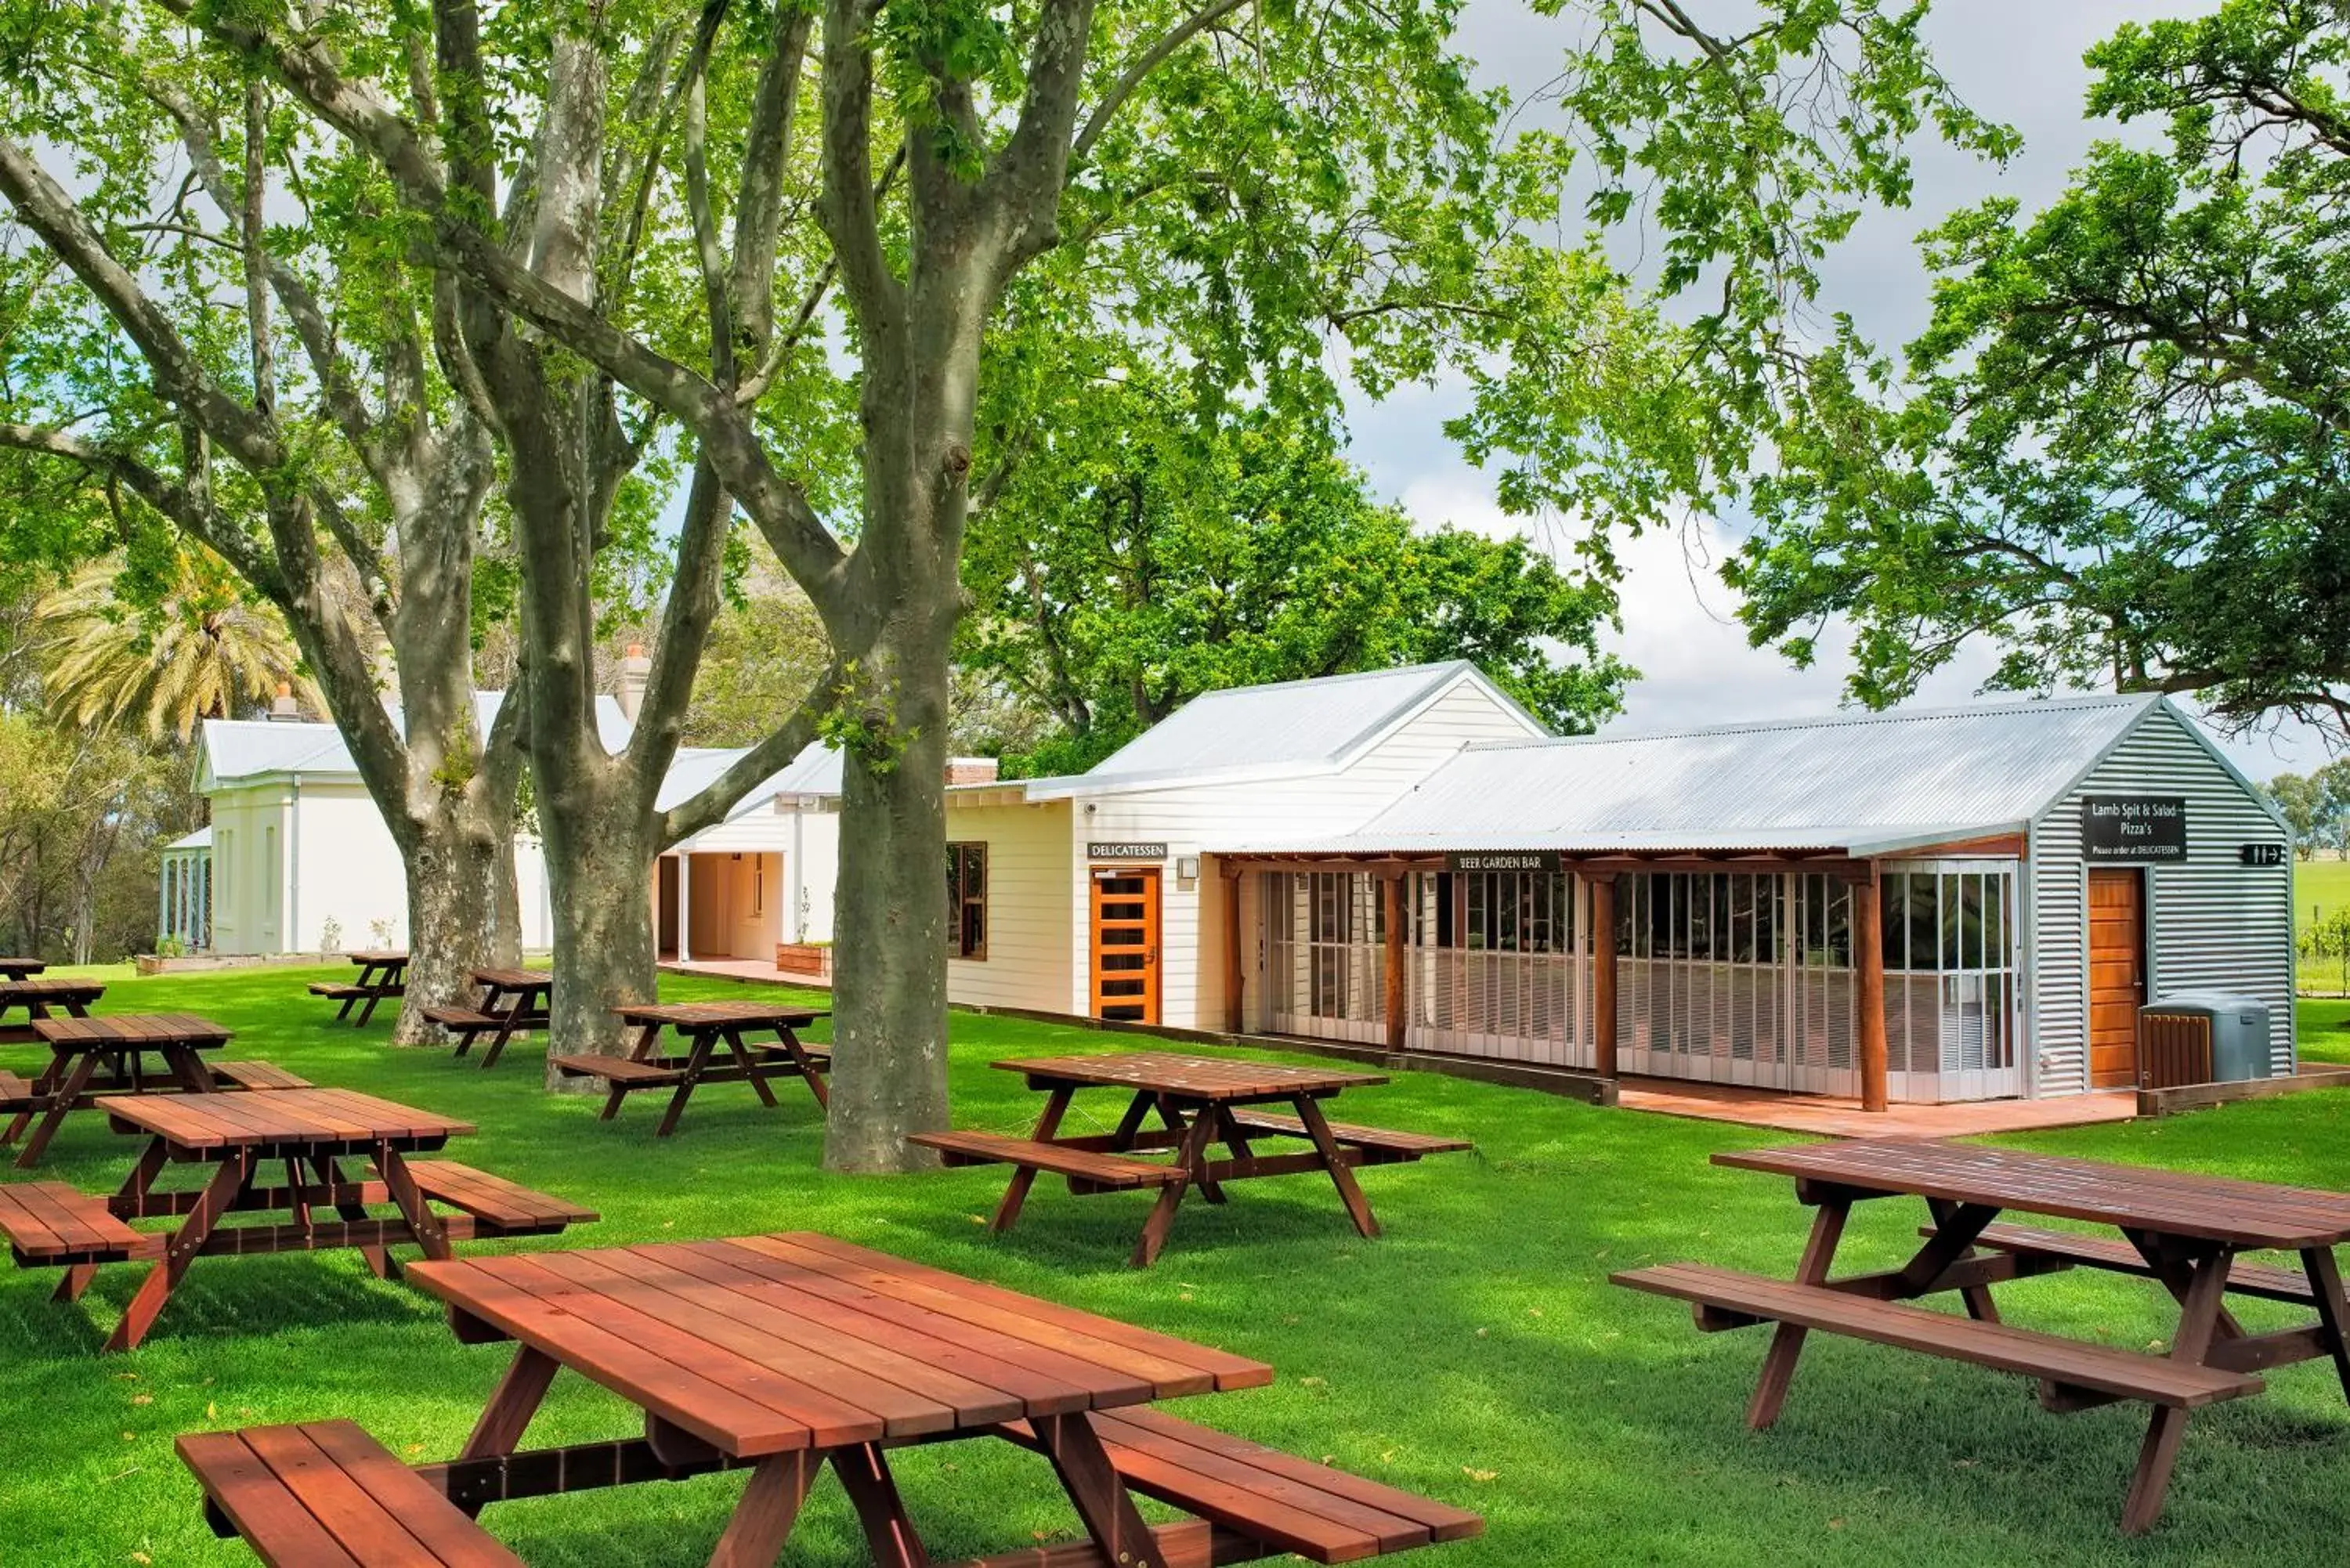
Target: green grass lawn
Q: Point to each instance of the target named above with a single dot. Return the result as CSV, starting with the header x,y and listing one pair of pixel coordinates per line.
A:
x,y
2320,887
1476,1353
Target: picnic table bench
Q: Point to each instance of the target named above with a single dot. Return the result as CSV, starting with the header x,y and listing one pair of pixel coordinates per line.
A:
x,y
20,968
45,997
783,1353
511,1000
706,1026
2183,1231
308,1133
1198,1101
383,973
96,1061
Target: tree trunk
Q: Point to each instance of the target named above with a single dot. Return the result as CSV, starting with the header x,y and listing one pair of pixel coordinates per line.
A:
x,y
890,929
460,880
598,864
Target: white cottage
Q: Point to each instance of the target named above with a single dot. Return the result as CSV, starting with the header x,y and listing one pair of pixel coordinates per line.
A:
x,y
1926,906
297,859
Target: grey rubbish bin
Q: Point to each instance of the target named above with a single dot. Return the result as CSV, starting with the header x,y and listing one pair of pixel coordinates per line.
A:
x,y
2202,1037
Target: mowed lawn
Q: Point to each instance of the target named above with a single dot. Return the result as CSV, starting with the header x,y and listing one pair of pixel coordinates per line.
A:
x,y
2321,890
1476,1353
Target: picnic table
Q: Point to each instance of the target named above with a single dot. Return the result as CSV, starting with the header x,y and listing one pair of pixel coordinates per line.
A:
x,y
383,973
780,1354
2184,1232
21,968
38,998
301,1130
95,1059
707,1026
1198,1101
510,1000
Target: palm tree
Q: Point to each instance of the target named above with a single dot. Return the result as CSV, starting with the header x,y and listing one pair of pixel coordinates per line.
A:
x,y
200,651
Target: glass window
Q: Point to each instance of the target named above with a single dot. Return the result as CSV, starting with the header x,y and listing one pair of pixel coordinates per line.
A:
x,y
967,901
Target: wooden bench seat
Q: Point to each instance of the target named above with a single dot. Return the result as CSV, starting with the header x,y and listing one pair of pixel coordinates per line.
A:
x,y
1087,1169
499,1206
2113,1253
15,1093
1259,1501
1380,1145
339,990
1724,1298
618,1070
257,1076
465,1018
327,1495
50,1224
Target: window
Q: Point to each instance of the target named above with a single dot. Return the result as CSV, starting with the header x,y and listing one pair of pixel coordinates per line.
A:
x,y
759,885
967,901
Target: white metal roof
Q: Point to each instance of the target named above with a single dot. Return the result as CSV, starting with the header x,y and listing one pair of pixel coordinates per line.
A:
x,y
201,838
1867,784
1273,731
231,749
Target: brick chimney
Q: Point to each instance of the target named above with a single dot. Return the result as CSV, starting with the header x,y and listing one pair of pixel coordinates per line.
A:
x,y
635,670
970,770
283,708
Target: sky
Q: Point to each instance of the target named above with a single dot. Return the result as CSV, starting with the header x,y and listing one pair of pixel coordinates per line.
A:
x,y
2017,61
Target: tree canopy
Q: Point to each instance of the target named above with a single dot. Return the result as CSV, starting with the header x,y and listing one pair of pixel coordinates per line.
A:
x,y
1149,548
2122,456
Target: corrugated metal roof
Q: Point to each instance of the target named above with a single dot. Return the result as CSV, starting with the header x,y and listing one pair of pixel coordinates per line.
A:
x,y
248,748
1872,782
1284,727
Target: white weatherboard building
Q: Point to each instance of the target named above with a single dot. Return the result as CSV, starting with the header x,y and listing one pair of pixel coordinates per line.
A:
x,y
297,859
1406,860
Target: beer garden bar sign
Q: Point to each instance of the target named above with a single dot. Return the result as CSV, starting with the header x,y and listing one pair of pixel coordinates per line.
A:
x,y
2134,827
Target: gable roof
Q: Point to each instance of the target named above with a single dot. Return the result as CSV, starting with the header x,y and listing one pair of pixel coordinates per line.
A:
x,y
1284,729
815,770
1861,783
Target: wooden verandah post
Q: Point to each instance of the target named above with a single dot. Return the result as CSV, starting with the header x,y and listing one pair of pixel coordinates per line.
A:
x,y
1868,962
1603,972
1397,1006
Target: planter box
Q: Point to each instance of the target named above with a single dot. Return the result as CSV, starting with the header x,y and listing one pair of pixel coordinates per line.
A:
x,y
804,958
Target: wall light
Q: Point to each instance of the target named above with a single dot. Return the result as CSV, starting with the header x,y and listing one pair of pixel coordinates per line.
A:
x,y
1187,867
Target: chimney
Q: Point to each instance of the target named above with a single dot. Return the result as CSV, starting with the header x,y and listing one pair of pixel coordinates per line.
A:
x,y
283,708
971,770
635,669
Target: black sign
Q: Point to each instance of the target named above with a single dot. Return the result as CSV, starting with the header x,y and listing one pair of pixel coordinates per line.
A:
x,y
1126,851
2261,854
1506,861
2133,827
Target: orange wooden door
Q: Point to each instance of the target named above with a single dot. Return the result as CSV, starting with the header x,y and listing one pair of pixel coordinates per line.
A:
x,y
2116,974
1125,943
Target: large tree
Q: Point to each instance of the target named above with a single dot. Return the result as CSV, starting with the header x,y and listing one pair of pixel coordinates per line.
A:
x,y
2121,458
1260,184
1156,543
211,331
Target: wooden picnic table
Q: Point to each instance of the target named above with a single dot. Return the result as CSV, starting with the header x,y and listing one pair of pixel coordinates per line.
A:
x,y
383,973
2185,1231
308,1133
780,1354
90,1057
1198,1101
21,968
510,1000
707,1026
43,998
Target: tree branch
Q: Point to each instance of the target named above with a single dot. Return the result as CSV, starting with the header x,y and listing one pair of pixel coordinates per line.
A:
x,y
762,762
1130,80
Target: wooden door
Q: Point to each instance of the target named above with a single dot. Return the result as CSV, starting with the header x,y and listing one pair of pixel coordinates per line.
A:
x,y
1125,943
2116,974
